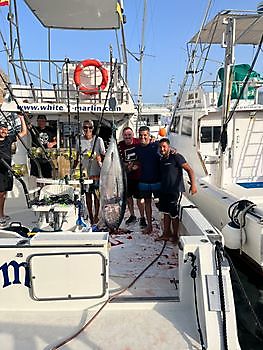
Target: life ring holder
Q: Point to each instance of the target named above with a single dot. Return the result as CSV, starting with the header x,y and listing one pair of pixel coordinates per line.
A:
x,y
90,90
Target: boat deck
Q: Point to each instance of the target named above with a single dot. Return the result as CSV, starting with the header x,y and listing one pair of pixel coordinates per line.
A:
x,y
148,315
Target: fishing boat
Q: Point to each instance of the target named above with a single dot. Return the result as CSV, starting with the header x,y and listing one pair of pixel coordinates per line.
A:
x,y
219,126
65,284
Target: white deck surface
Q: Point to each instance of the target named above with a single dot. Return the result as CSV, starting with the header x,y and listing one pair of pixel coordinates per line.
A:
x,y
151,318
161,326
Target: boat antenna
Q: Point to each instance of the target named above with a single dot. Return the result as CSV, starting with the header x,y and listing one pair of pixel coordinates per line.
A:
x,y
141,57
18,41
11,51
192,57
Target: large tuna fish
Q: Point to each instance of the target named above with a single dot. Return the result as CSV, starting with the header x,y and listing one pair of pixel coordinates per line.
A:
x,y
113,186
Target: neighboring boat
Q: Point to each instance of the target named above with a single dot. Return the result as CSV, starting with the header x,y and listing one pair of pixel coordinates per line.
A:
x,y
66,286
155,116
218,126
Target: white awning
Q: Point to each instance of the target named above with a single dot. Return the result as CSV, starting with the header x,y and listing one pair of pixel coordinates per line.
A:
x,y
249,29
76,14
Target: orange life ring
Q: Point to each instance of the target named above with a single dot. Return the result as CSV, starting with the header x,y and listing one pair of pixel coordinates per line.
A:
x,y
90,90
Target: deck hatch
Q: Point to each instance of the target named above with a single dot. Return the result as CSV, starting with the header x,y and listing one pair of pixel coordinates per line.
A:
x,y
67,276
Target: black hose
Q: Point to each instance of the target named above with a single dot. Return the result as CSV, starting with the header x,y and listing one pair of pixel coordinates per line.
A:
x,y
218,250
8,167
193,275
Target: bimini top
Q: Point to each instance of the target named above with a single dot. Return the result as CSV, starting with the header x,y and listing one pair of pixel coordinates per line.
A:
x,y
76,14
249,28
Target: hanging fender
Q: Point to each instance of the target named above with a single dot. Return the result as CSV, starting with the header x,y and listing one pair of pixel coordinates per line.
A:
x,y
90,90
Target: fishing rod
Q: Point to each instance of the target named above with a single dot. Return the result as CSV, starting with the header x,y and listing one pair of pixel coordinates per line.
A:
x,y
223,135
23,143
32,129
81,179
68,112
18,177
102,113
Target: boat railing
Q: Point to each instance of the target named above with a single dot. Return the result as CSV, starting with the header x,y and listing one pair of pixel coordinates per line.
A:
x,y
52,81
212,91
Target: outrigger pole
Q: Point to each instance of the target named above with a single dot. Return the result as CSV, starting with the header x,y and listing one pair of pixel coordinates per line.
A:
x,y
33,129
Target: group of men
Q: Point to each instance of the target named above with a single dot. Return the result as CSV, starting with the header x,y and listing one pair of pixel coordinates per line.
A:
x,y
153,170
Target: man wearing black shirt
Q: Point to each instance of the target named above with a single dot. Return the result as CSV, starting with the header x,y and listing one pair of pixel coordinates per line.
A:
x,y
46,135
171,168
6,178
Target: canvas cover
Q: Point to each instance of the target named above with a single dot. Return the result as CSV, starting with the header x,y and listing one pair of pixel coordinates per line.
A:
x,y
239,74
76,14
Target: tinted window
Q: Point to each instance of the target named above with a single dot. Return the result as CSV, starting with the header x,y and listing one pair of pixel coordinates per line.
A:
x,y
210,133
187,126
175,124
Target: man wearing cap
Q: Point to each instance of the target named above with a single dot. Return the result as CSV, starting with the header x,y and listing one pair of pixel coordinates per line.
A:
x,y
6,178
47,137
91,165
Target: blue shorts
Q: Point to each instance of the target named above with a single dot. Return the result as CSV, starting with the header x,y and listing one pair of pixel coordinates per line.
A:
x,y
147,190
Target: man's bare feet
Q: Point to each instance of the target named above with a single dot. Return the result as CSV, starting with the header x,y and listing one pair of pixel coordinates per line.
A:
x,y
163,237
175,239
147,230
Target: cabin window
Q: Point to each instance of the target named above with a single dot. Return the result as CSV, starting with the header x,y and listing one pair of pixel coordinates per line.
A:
x,y
210,134
175,124
187,126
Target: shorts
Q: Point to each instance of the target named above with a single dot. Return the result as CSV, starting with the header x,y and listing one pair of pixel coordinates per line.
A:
x,y
93,187
45,167
168,204
6,181
132,189
147,190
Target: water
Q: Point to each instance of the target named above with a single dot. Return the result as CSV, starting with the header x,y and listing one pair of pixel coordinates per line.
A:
x,y
250,335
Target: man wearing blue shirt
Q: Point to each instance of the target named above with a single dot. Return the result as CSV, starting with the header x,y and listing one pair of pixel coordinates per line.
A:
x,y
149,183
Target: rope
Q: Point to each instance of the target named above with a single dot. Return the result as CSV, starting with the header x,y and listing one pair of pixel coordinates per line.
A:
x,y
192,258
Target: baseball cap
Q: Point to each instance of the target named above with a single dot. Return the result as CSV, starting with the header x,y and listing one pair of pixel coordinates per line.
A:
x,y
3,124
88,122
41,117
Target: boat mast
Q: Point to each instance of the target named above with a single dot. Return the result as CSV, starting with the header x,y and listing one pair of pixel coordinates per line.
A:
x,y
142,47
228,43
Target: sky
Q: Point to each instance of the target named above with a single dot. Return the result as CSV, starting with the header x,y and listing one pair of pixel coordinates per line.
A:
x,y
169,25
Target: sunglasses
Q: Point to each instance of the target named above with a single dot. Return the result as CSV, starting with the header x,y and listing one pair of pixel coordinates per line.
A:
x,y
87,127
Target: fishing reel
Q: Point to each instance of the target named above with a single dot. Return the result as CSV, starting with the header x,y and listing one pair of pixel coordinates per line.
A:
x,y
87,155
20,169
